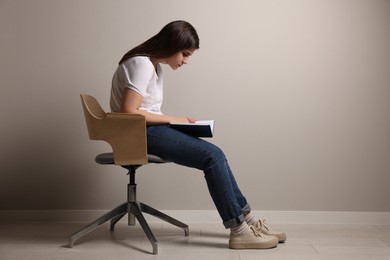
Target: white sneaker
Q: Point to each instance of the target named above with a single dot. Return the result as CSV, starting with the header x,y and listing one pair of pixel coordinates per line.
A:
x,y
264,229
253,239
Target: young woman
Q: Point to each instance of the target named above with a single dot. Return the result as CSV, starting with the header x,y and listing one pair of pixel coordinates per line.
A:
x,y
137,88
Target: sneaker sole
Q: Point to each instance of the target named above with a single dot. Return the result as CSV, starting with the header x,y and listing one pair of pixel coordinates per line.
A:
x,y
281,238
243,245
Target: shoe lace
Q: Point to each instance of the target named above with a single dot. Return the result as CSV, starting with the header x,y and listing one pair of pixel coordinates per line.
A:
x,y
261,224
256,231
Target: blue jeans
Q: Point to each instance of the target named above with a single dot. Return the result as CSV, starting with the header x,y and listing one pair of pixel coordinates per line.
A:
x,y
186,150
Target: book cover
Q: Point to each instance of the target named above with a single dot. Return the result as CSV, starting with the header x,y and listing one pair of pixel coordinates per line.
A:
x,y
201,128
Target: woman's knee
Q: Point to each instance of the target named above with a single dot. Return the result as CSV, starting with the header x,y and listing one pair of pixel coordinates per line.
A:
x,y
215,156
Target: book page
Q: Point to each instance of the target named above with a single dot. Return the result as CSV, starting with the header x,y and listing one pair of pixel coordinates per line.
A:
x,y
201,128
199,122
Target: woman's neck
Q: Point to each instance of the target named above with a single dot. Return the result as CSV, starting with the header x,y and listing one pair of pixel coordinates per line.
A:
x,y
155,62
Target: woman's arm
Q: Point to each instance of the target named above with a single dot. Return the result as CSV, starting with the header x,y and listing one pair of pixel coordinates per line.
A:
x,y
132,101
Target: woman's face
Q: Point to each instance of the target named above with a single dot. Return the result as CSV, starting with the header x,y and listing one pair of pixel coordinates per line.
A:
x,y
179,59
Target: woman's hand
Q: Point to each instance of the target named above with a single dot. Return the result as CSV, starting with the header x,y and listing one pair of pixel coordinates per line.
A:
x,y
191,119
184,119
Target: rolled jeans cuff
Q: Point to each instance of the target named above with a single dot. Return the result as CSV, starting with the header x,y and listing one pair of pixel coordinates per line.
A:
x,y
246,210
234,222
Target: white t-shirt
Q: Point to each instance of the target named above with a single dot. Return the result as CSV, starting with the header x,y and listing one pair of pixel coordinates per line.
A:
x,y
139,74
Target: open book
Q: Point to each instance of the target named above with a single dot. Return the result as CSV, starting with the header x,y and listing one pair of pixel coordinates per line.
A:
x,y
201,128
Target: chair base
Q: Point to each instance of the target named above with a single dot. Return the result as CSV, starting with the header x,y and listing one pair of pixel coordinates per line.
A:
x,y
133,209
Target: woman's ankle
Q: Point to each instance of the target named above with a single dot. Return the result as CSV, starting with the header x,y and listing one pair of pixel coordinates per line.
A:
x,y
250,219
240,229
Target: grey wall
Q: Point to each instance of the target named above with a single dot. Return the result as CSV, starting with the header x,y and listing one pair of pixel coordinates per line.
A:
x,y
300,91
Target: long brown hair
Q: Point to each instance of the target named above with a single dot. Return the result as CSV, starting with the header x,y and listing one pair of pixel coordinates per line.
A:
x,y
173,37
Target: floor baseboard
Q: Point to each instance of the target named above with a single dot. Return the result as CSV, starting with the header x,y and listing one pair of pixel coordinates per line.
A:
x,y
205,216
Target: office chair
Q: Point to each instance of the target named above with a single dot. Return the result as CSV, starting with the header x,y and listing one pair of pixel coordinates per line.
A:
x,y
126,134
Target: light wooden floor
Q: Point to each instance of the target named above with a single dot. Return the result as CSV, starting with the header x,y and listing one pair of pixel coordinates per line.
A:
x,y
206,241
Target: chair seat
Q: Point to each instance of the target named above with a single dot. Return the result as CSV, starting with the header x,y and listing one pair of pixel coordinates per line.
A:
x,y
108,158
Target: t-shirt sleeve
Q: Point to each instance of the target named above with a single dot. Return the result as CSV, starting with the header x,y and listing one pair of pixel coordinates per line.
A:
x,y
138,72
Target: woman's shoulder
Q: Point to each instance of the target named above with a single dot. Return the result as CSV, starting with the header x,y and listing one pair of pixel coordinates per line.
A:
x,y
138,65
139,61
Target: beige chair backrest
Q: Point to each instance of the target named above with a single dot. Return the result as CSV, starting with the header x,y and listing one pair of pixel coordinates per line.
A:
x,y
126,133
